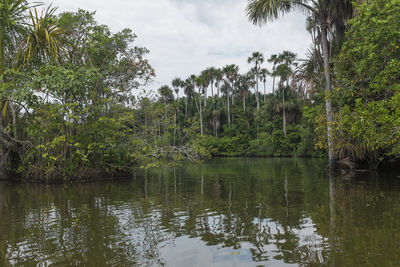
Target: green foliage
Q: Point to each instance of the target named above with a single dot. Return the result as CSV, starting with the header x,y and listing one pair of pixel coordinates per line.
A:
x,y
263,146
369,84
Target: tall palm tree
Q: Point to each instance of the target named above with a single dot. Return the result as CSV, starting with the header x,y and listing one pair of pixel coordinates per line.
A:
x,y
283,71
212,77
189,91
202,84
177,83
244,82
288,103
205,76
287,58
263,77
231,73
166,94
226,88
218,79
325,11
257,58
274,60
215,121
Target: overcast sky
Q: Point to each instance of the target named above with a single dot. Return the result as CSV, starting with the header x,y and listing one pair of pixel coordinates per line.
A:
x,y
186,36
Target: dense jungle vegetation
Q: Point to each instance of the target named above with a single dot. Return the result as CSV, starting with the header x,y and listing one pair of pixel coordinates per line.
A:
x,y
72,107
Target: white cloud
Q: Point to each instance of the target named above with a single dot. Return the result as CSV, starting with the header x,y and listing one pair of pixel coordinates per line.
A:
x,y
187,36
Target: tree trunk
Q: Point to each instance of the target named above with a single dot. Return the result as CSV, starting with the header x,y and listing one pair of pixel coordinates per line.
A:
x,y
328,102
14,118
273,83
205,97
265,96
257,96
244,102
2,59
186,108
284,113
229,115
174,127
3,148
201,119
198,106
232,118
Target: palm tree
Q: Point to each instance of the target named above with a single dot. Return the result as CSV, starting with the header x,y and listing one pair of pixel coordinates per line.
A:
x,y
284,71
43,41
42,44
274,60
218,79
212,77
325,11
289,103
225,88
287,58
205,75
12,27
231,74
166,94
263,76
189,91
244,82
258,59
202,84
177,83
307,74
215,121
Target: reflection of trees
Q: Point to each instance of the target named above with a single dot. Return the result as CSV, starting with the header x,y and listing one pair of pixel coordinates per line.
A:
x,y
285,210
365,222
73,226
248,204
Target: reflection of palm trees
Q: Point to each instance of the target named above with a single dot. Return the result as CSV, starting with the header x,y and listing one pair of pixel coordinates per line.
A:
x,y
221,204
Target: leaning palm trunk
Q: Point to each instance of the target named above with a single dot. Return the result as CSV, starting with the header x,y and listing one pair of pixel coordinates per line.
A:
x,y
328,102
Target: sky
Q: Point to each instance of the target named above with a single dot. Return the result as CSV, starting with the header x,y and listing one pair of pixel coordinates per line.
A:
x,y
187,36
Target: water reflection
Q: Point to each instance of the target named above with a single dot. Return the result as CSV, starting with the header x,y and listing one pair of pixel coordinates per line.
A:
x,y
228,212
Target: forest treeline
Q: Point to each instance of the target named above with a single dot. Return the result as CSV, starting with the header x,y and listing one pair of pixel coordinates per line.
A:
x,y
71,105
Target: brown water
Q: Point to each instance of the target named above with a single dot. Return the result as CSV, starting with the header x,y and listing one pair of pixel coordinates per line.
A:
x,y
227,212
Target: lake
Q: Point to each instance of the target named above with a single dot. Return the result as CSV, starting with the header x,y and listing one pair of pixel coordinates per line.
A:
x,y
225,212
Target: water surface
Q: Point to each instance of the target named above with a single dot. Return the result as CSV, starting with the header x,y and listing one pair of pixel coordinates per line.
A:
x,y
226,212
